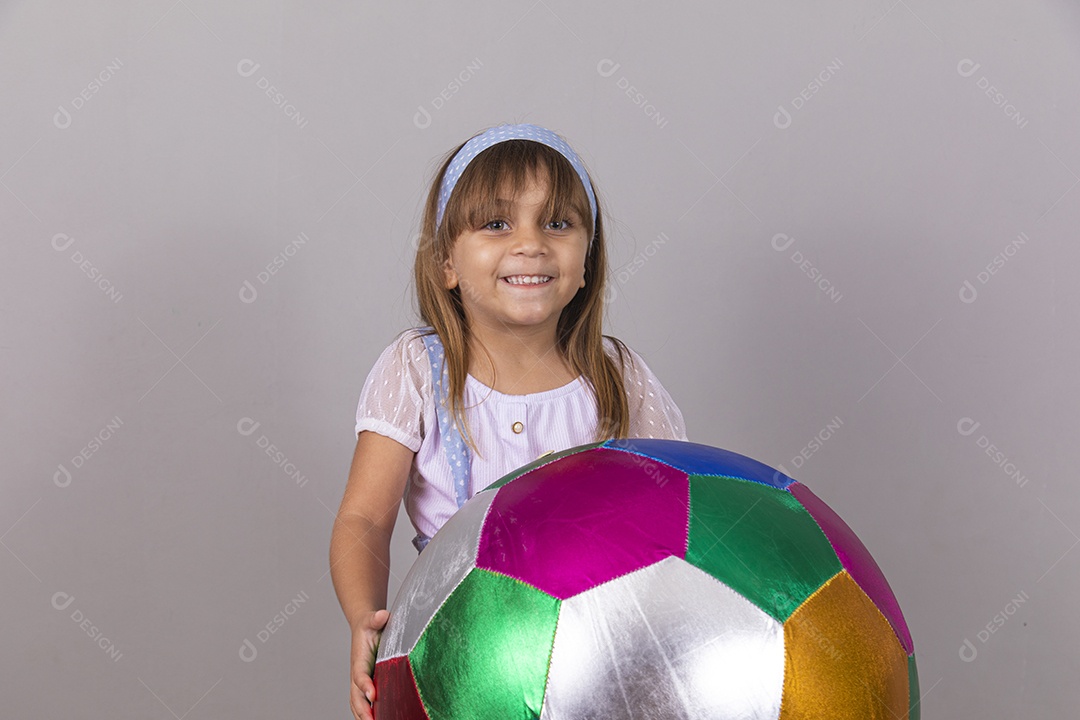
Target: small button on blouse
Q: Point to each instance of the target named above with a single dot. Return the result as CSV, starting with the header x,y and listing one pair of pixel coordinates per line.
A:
x,y
517,427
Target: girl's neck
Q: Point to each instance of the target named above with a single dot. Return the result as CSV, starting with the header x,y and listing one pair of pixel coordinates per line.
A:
x,y
523,363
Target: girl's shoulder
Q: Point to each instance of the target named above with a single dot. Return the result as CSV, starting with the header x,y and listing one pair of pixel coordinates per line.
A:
x,y
653,412
405,357
397,392
412,338
624,356
635,371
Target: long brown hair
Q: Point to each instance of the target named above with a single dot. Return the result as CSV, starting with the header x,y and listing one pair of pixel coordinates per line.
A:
x,y
508,166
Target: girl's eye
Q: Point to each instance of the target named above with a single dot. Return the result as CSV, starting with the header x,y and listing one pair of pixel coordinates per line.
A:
x,y
500,225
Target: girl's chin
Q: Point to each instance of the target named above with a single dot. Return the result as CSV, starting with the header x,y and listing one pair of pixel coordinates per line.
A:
x,y
524,320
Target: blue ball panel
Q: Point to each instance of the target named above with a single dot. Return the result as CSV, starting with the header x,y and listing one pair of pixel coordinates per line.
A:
x,y
697,459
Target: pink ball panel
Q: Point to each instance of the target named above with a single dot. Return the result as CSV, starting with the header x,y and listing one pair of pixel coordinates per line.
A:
x,y
856,560
584,519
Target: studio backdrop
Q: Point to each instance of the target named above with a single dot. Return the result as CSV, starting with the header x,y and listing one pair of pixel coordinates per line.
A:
x,y
841,234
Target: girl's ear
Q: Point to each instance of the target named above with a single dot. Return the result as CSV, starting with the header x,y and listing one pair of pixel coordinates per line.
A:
x,y
450,274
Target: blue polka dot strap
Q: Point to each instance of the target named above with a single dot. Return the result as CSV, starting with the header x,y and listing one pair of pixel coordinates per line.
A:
x,y
457,452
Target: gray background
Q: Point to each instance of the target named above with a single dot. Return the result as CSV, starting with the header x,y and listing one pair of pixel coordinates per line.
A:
x,y
148,179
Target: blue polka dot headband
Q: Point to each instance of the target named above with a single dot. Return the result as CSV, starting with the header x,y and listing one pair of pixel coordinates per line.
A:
x,y
498,134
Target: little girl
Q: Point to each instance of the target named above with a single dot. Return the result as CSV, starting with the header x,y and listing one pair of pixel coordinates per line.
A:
x,y
509,365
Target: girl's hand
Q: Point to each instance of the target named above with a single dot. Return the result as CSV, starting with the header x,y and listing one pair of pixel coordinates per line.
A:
x,y
365,644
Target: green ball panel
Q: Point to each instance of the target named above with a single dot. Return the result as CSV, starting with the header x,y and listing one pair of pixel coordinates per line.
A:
x,y
485,653
759,541
914,700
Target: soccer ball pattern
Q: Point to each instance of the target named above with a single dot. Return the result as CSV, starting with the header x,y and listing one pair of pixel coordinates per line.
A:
x,y
645,578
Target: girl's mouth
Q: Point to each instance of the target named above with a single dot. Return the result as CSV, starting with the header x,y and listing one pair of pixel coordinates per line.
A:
x,y
527,280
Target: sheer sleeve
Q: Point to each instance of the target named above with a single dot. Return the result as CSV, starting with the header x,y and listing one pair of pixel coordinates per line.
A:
x,y
393,397
653,412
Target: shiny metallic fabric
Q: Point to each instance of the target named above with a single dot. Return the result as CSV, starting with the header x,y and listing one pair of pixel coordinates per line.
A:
x,y
646,579
666,641
447,559
844,661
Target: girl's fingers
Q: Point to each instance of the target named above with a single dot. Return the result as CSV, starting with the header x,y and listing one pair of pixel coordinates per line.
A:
x,y
362,694
379,618
360,706
365,687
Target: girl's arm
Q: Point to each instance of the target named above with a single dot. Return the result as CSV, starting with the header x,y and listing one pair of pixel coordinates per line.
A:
x,y
360,549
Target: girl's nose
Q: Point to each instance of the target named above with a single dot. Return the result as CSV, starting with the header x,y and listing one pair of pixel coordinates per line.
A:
x,y
530,240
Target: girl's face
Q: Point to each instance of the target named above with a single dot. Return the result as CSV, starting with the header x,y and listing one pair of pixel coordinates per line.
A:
x,y
520,269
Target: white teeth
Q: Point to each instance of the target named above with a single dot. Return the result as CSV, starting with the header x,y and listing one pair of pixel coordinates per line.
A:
x,y
527,279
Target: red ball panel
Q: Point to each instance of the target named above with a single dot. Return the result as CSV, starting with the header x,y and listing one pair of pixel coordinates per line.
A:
x,y
396,697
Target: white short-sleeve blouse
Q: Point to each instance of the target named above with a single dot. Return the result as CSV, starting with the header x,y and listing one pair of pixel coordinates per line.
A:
x,y
509,430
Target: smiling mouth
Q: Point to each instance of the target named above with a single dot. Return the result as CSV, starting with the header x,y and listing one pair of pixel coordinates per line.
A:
x,y
527,279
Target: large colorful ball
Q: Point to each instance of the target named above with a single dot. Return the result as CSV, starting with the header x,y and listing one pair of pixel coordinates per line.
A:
x,y
646,579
